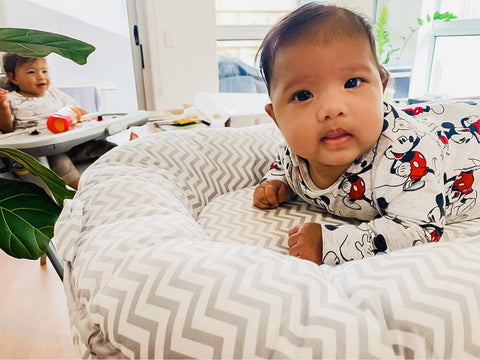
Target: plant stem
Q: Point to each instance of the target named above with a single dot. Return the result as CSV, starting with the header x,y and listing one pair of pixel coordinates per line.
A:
x,y
405,42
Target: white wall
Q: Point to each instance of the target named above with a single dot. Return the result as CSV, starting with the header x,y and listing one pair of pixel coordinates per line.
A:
x,y
179,47
102,23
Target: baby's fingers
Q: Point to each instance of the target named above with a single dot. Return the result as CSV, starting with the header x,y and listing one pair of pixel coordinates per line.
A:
x,y
294,250
271,195
260,198
294,229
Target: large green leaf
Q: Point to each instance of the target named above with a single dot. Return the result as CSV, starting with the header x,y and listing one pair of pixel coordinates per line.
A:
x,y
27,212
53,182
35,43
27,217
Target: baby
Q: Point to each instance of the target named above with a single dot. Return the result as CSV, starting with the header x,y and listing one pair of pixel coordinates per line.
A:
x,y
352,155
32,102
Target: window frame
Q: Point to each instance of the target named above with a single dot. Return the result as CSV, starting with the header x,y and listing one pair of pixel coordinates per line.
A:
x,y
427,38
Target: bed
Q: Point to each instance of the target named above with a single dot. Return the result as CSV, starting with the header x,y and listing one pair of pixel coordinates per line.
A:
x,y
165,257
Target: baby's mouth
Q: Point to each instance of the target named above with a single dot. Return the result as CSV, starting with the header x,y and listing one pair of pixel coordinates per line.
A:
x,y
337,136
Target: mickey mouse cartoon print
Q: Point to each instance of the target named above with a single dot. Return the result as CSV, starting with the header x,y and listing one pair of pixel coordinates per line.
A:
x,y
326,88
417,180
407,162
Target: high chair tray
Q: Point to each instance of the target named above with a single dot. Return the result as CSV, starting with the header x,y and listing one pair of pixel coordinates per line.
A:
x,y
42,142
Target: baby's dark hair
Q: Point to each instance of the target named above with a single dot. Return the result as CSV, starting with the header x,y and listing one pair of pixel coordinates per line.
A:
x,y
304,23
11,62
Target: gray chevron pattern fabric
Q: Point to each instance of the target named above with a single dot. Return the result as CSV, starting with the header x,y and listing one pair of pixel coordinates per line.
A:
x,y
153,270
233,218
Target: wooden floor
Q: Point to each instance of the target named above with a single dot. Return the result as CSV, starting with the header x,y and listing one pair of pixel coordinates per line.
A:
x,y
34,321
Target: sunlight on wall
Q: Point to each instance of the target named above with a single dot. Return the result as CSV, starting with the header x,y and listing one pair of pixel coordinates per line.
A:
x,y
108,15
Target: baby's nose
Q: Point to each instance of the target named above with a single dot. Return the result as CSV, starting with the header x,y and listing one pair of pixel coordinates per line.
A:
x,y
330,109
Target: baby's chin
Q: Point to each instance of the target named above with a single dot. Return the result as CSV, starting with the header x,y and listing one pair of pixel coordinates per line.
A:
x,y
342,160
39,92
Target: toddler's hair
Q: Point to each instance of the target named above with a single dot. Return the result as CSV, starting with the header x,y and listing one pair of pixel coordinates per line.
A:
x,y
11,62
305,23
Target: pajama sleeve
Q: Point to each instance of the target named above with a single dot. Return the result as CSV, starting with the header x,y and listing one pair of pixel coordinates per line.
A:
x,y
277,167
408,192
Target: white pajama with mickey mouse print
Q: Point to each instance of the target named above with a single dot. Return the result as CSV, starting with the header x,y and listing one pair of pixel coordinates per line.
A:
x,y
419,176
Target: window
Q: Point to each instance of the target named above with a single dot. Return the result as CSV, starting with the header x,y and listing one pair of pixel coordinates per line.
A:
x,y
455,67
445,66
241,25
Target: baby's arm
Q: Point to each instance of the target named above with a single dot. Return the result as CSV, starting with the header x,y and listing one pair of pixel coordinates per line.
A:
x,y
6,123
270,193
305,242
273,190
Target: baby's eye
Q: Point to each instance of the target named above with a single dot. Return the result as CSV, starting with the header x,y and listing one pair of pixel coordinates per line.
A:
x,y
353,83
302,95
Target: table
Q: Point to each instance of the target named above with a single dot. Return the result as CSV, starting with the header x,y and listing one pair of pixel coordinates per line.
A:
x,y
43,142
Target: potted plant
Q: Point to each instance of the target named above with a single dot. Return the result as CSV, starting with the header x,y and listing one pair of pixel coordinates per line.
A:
x,y
385,48
27,212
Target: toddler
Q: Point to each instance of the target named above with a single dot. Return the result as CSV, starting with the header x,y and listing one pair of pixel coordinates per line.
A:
x,y
32,102
352,155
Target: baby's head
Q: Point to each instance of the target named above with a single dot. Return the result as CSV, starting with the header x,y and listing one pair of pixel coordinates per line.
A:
x,y
326,86
27,75
314,22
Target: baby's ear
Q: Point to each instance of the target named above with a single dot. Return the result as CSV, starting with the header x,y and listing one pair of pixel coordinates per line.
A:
x,y
385,81
385,77
11,78
269,110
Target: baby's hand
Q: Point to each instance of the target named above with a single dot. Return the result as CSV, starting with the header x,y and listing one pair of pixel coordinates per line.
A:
x,y
305,242
270,193
3,99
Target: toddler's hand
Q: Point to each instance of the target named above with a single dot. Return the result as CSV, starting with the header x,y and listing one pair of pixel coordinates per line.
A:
x,y
305,242
270,193
3,99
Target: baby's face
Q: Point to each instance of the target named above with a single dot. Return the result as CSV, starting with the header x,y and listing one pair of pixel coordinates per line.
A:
x,y
327,100
32,78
